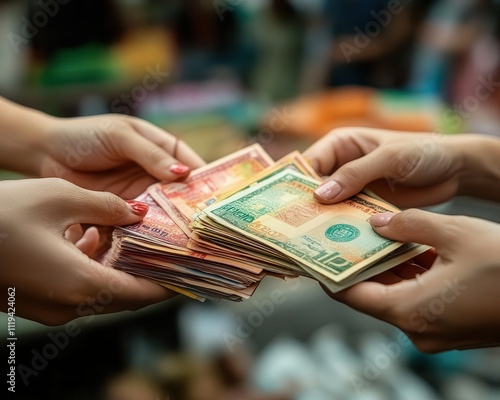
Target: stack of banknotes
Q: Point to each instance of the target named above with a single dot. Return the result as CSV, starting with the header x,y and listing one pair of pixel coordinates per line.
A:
x,y
234,221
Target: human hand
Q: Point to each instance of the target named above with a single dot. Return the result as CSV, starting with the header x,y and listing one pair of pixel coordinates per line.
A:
x,y
54,280
118,154
408,170
443,302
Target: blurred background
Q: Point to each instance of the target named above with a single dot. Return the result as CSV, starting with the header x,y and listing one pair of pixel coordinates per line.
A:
x,y
224,74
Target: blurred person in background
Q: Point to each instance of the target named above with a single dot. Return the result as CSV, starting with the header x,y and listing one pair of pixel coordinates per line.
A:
x,y
279,34
474,79
69,27
372,42
450,30
209,46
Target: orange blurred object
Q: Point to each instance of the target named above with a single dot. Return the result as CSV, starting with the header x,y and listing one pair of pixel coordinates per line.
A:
x,y
313,116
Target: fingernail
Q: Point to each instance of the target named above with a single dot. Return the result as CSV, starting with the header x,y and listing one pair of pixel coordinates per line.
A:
x,y
138,207
328,190
179,169
380,220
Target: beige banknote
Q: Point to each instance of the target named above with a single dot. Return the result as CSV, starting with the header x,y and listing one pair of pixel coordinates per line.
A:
x,y
336,240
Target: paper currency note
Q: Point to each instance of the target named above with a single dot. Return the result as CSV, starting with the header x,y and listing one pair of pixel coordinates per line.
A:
x,y
335,240
179,199
294,161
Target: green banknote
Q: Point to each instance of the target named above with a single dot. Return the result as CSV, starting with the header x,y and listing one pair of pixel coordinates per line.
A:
x,y
336,240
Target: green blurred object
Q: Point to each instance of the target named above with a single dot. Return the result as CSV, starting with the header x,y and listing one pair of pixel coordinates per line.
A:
x,y
7,175
400,102
91,63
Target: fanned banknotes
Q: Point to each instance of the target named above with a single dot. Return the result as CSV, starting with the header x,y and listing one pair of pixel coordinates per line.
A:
x,y
234,221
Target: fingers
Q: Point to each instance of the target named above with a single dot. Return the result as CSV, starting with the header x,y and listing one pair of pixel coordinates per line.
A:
x,y
394,291
153,158
127,292
352,177
341,146
93,290
439,231
70,205
426,259
74,233
77,286
368,297
169,143
408,270
89,242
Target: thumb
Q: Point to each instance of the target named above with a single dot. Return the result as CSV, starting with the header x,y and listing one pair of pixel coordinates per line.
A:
x,y
413,225
352,177
75,205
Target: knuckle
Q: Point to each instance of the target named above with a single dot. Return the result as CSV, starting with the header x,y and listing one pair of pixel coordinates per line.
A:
x,y
53,194
154,153
392,153
57,185
456,227
114,208
408,220
341,131
351,173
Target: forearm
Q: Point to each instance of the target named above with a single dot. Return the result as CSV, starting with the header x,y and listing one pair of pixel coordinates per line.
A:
x,y
21,133
480,171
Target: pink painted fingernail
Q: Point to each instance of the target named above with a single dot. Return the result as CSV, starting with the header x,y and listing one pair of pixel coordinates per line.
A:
x,y
380,220
328,190
179,169
138,207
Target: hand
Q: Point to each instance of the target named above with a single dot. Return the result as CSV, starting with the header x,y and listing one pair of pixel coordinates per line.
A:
x,y
444,302
113,153
55,282
86,241
408,170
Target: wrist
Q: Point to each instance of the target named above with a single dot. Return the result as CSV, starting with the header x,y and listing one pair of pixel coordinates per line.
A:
x,y
22,134
39,141
478,157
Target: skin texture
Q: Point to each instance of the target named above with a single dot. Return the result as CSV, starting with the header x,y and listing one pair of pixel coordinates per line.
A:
x,y
122,155
55,280
46,225
447,298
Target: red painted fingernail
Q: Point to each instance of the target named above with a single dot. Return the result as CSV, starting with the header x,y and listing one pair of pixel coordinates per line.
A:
x,y
138,207
179,169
